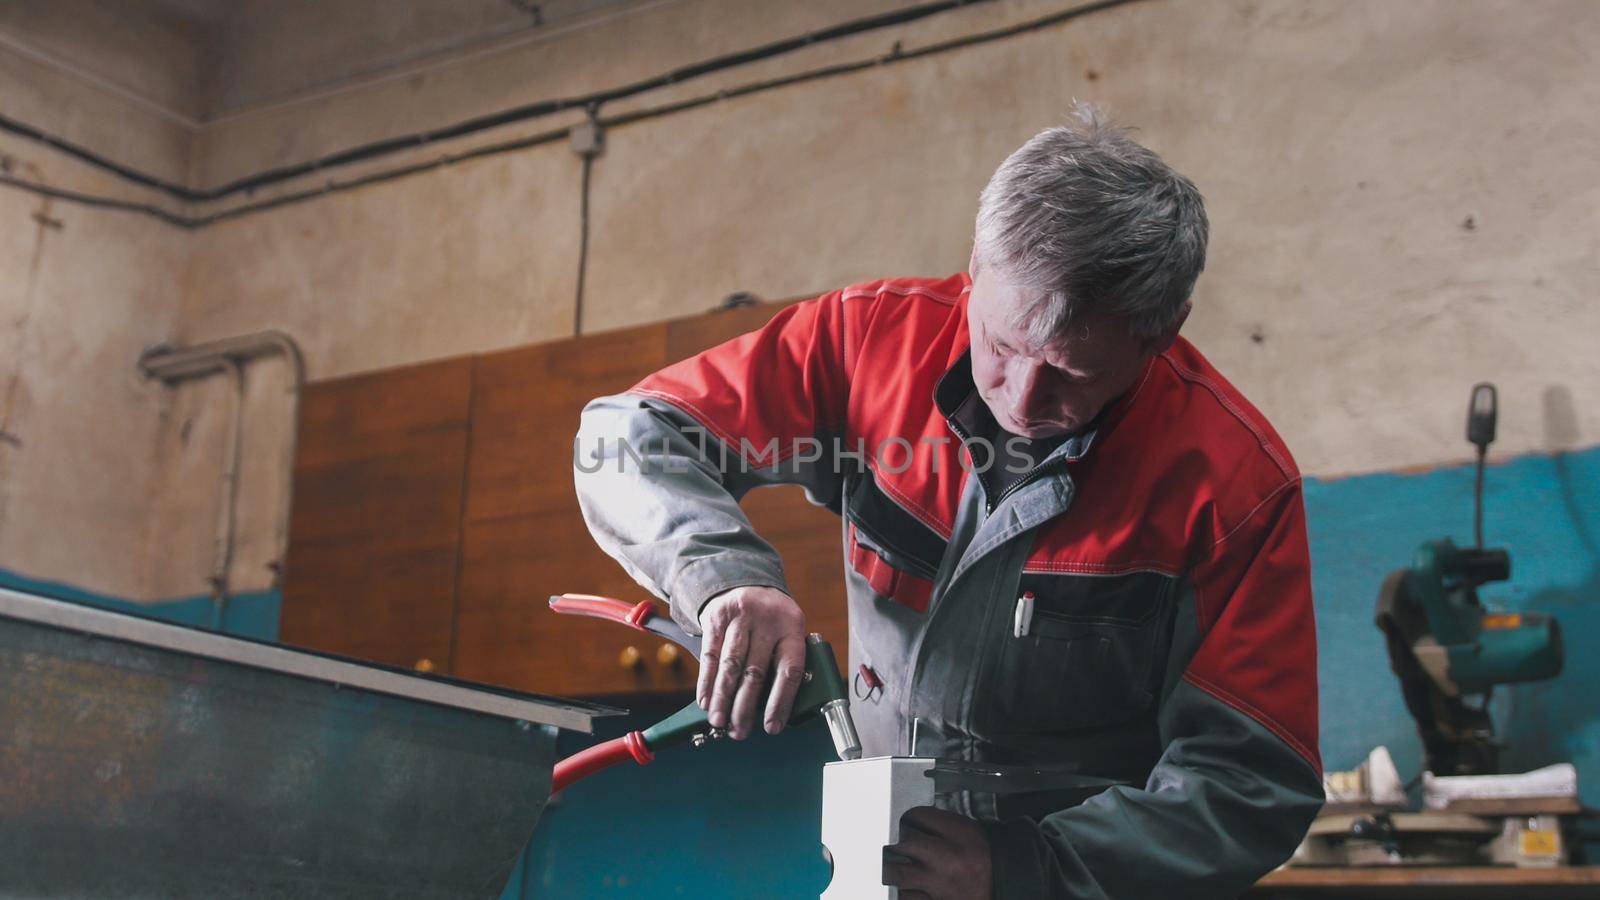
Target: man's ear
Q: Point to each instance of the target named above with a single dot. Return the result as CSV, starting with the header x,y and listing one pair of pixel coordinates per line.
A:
x,y
1164,343
972,263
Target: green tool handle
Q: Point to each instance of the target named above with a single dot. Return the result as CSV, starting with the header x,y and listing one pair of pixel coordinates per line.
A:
x,y
822,686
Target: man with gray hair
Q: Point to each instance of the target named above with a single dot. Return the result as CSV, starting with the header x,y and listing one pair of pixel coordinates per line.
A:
x,y
1070,543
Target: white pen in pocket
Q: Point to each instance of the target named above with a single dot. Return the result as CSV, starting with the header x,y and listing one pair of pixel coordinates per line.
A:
x,y
1023,622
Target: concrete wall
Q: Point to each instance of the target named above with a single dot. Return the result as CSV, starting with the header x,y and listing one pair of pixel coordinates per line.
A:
x,y
119,79
617,43
82,293
267,51
80,298
1400,197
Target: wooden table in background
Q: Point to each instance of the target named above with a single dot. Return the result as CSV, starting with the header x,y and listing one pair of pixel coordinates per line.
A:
x,y
1442,883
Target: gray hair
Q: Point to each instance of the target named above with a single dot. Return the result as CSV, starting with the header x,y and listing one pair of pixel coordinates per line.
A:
x,y
1086,218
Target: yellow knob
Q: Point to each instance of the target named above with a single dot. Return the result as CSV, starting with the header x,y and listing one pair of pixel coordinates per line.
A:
x,y
669,655
424,665
630,657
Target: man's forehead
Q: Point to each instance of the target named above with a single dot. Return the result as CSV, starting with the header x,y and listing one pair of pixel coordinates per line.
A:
x,y
1003,308
1007,316
1090,342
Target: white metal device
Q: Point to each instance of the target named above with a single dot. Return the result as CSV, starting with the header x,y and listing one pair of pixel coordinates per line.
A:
x,y
862,802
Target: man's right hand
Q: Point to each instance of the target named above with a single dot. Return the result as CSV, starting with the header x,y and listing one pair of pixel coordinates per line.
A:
x,y
753,635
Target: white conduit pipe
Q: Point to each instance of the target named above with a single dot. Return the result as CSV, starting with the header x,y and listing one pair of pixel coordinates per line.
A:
x,y
227,500
173,365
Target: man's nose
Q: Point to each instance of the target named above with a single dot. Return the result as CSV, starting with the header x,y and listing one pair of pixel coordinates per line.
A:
x,y
1033,398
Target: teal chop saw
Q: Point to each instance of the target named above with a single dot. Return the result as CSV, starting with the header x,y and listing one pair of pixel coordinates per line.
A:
x,y
1445,646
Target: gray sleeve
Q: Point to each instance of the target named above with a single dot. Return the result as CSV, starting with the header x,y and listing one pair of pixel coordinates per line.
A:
x,y
1227,803
661,496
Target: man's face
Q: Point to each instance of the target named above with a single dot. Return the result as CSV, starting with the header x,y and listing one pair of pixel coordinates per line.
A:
x,y
1055,390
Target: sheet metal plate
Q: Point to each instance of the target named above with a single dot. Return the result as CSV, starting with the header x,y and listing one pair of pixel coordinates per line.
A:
x,y
134,771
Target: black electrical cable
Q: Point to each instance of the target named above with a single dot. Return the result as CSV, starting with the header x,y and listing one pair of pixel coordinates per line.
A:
x,y
897,55
332,187
463,128
583,244
1477,498
45,190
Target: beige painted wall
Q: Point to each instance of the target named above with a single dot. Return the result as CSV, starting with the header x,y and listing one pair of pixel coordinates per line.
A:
x,y
1344,148
77,109
152,51
614,47
82,293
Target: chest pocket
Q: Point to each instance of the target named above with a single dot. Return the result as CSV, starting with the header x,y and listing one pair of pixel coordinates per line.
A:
x,y
1091,655
893,550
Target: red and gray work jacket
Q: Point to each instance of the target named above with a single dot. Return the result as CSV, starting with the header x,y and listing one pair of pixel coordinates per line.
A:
x,y
1137,607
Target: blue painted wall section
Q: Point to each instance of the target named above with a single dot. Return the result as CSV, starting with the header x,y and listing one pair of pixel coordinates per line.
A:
x,y
741,820
1546,512
254,614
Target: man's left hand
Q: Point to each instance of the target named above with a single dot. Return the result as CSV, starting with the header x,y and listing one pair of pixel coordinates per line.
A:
x,y
941,856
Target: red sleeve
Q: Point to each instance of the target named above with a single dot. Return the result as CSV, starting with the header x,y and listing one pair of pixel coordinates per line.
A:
x,y
1253,597
782,382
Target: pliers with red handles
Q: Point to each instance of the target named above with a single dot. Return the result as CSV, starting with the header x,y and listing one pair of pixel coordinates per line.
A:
x,y
822,693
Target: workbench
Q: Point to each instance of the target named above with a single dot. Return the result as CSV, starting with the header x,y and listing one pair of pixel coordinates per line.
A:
x,y
141,758
1416,883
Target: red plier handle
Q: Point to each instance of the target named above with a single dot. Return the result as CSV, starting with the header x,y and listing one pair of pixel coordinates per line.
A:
x,y
601,756
643,616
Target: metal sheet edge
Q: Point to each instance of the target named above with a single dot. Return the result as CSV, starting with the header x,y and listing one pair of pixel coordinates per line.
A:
x,y
226,648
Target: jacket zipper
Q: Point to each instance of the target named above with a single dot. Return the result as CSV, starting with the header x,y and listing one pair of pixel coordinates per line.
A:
x,y
1038,472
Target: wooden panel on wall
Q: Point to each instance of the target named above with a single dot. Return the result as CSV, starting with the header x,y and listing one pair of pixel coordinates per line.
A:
x,y
374,535
524,537
435,514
